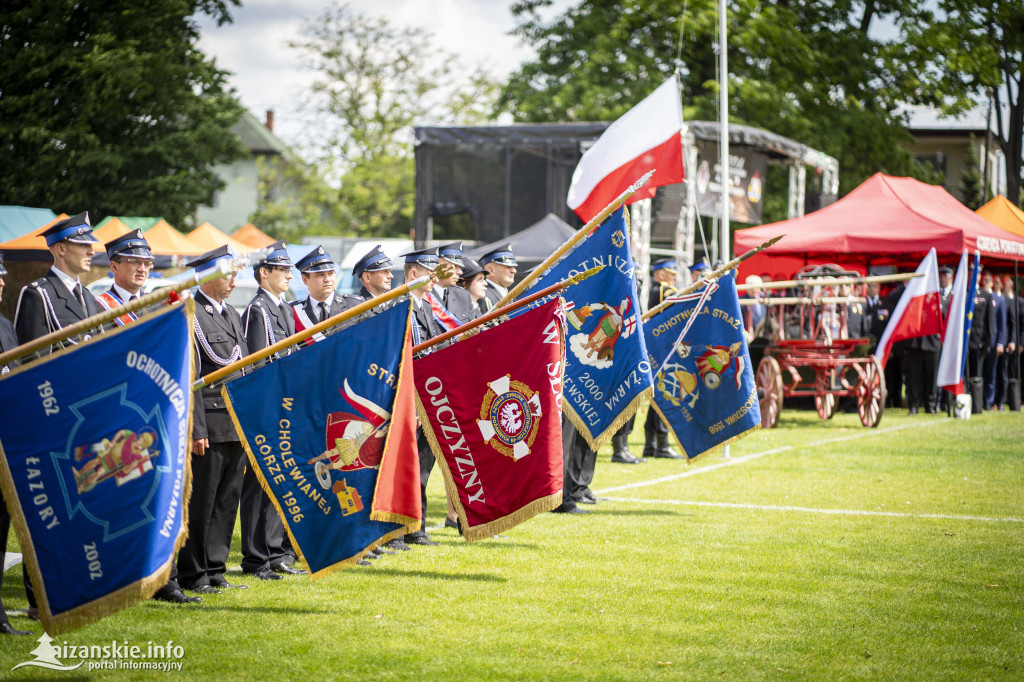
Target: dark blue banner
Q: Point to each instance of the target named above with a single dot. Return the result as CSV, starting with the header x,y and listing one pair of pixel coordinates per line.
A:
x,y
607,373
703,385
94,441
327,430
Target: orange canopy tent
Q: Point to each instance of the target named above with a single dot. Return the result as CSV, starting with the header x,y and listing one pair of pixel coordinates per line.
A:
x,y
207,237
164,240
1001,212
108,230
253,236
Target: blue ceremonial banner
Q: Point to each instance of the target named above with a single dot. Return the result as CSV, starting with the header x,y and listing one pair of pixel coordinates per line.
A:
x,y
95,469
704,386
330,432
607,374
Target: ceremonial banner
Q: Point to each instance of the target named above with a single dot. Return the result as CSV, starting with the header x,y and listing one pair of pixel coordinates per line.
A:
x,y
956,333
330,432
95,468
918,312
489,406
606,374
704,385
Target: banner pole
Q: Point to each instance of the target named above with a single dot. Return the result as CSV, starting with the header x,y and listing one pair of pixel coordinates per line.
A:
x,y
298,337
583,233
714,275
499,312
222,270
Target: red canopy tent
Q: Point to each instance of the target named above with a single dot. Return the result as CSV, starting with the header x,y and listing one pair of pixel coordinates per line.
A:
x,y
886,221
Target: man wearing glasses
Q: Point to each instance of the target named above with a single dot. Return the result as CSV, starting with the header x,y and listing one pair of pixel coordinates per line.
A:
x,y
130,263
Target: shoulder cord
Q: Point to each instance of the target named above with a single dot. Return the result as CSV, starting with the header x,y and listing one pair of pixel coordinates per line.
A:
x,y
236,352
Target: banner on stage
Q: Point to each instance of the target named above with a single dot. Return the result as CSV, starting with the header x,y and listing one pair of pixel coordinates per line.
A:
x,y
607,373
330,433
704,386
490,406
95,470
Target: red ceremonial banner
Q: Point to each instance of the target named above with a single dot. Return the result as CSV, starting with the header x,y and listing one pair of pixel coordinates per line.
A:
x,y
491,408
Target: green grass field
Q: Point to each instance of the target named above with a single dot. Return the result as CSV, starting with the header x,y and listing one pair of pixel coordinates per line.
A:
x,y
818,550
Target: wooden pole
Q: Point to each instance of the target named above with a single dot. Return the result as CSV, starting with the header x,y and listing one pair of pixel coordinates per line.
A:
x,y
583,233
830,281
714,275
306,333
499,312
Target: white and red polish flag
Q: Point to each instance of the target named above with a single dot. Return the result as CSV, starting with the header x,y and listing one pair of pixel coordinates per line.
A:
x,y
647,137
919,312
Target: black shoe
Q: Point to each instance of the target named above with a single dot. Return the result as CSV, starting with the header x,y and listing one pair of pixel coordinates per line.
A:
x,y
176,597
568,508
399,544
204,589
8,629
663,450
913,410
448,523
222,584
363,562
931,410
282,567
420,540
625,458
266,574
380,551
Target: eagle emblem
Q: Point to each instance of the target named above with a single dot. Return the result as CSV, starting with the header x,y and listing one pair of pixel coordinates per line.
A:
x,y
510,417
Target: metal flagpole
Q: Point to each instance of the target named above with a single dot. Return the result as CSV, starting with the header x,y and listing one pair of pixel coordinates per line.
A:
x,y
723,112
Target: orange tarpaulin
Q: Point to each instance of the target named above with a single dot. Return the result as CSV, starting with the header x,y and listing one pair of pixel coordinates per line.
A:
x,y
33,241
111,229
164,240
209,237
253,236
1001,212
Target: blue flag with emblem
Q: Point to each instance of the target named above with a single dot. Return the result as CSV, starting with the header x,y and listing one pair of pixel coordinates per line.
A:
x,y
330,433
95,469
607,374
703,386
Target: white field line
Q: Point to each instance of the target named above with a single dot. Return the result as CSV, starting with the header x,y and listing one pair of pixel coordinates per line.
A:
x,y
756,455
815,510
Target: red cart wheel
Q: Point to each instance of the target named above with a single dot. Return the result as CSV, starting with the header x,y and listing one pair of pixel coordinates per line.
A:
x,y
871,393
825,404
769,391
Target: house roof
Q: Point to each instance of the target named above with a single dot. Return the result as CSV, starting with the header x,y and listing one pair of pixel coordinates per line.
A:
x,y
257,137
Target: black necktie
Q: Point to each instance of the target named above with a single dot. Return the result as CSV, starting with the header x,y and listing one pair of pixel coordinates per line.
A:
x,y
323,311
224,312
80,296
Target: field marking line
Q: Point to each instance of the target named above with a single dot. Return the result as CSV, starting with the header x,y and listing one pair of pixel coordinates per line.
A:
x,y
818,510
757,455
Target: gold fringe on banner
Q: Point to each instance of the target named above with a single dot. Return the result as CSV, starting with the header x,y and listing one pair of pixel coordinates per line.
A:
x,y
130,594
701,455
606,435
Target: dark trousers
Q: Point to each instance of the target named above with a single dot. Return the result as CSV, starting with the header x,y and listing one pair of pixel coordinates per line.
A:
x,y
894,380
426,466
262,529
975,362
212,509
654,423
989,369
921,366
575,466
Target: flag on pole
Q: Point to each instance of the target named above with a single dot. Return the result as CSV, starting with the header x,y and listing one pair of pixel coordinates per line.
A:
x,y
330,432
607,375
919,311
704,386
957,331
490,407
94,466
645,138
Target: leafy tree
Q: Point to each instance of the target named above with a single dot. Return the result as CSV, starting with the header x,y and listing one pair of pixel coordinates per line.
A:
x,y
970,49
111,107
375,81
811,71
970,180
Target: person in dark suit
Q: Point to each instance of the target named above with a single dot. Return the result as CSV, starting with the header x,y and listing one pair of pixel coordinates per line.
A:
x,y
474,281
318,275
217,455
374,273
875,313
921,362
857,321
267,320
454,298
500,264
418,264
663,273
8,341
945,299
894,368
983,322
59,299
1014,368
994,359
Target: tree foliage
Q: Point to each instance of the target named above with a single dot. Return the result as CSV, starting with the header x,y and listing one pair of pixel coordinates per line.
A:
x,y
111,107
971,181
374,82
967,50
812,71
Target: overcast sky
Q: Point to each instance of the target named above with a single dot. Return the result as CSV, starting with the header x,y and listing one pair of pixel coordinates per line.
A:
x,y
267,74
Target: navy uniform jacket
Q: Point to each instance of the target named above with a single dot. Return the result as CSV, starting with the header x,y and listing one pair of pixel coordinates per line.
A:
x,y
266,323
999,316
1012,319
8,337
491,296
876,317
224,338
983,322
34,318
426,327
459,303
858,325
337,304
659,292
